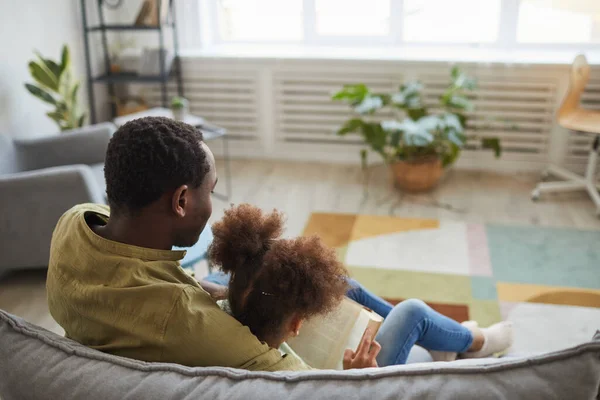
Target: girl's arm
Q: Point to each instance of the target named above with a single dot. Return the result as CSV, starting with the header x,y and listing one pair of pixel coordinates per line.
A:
x,y
217,292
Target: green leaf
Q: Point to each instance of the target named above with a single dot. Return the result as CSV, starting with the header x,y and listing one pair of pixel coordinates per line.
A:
x,y
368,105
66,127
411,88
62,106
65,59
456,138
375,136
81,120
470,83
60,120
40,93
461,80
455,72
492,143
43,75
352,93
451,156
363,158
462,118
461,102
74,94
51,65
56,116
416,113
395,138
385,98
350,126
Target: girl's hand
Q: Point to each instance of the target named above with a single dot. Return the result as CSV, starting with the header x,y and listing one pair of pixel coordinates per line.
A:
x,y
365,354
217,292
220,294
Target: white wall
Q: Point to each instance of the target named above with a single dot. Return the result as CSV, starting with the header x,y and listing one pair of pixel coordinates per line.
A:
x,y
44,25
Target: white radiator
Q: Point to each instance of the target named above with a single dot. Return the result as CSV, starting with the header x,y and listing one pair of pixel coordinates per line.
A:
x,y
513,104
283,109
225,97
304,111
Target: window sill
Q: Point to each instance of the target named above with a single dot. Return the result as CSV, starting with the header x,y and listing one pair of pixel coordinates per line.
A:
x,y
414,54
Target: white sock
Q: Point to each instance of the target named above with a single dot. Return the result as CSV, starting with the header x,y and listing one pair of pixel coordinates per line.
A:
x,y
450,355
496,338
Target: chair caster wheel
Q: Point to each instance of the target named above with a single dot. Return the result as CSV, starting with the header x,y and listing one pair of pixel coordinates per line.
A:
x,y
535,195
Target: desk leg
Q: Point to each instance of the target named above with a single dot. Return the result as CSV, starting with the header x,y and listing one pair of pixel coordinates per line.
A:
x,y
227,195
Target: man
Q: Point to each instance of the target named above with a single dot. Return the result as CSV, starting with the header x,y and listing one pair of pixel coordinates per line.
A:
x,y
115,284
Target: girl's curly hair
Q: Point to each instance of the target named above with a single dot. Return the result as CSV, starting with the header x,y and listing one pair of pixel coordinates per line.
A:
x,y
273,279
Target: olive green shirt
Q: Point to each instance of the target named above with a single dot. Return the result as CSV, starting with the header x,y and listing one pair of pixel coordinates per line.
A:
x,y
138,303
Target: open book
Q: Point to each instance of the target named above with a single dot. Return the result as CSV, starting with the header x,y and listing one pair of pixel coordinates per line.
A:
x,y
323,340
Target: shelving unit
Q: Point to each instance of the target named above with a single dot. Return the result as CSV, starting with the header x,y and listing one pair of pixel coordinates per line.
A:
x,y
108,77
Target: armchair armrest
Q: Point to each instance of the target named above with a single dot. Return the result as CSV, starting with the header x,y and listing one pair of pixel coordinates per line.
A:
x,y
31,204
86,145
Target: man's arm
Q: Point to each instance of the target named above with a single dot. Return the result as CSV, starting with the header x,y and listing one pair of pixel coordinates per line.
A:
x,y
199,334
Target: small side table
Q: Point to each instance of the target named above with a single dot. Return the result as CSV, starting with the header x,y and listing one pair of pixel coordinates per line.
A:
x,y
209,132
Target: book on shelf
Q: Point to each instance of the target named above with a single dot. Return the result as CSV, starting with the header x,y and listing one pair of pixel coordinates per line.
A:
x,y
152,13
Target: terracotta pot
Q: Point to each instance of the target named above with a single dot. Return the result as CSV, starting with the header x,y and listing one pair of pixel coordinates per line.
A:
x,y
417,175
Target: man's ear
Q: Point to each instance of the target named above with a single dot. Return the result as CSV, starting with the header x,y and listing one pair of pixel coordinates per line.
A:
x,y
179,201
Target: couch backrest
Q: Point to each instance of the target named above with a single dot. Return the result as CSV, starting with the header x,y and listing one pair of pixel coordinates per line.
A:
x,y
8,157
85,145
37,364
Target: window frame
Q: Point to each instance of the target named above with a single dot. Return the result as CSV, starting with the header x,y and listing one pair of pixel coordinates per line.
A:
x,y
208,34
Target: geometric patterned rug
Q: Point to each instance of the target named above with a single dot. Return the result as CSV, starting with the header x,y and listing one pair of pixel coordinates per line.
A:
x,y
545,280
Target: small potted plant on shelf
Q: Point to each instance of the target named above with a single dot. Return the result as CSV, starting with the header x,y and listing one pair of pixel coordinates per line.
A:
x,y
180,108
418,144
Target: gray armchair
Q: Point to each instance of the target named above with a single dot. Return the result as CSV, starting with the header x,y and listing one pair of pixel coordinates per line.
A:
x,y
40,179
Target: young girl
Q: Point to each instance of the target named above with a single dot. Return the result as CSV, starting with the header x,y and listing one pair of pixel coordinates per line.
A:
x,y
275,284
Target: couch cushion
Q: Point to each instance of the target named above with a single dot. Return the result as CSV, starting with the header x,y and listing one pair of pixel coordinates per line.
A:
x,y
37,364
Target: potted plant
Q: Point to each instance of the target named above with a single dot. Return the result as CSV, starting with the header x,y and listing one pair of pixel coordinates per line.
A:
x,y
55,86
419,144
180,108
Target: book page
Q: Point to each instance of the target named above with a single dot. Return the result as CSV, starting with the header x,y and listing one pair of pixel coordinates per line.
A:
x,y
322,340
364,320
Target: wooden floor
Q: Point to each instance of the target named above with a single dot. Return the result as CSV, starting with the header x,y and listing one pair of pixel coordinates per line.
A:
x,y
301,188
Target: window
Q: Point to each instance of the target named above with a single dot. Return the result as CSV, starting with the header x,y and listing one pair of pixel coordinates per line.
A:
x,y
456,21
259,20
559,21
485,23
352,17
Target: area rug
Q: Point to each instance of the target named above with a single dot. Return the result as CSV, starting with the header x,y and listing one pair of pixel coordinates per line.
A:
x,y
546,280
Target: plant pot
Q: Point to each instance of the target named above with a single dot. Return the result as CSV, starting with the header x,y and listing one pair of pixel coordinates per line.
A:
x,y
417,175
179,113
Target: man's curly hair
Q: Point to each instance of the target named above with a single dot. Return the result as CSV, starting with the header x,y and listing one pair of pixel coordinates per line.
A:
x,y
149,156
273,279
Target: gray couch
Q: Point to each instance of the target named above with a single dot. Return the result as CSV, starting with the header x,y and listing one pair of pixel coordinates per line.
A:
x,y
37,364
41,178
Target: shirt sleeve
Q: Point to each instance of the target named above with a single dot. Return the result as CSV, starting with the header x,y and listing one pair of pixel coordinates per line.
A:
x,y
198,333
